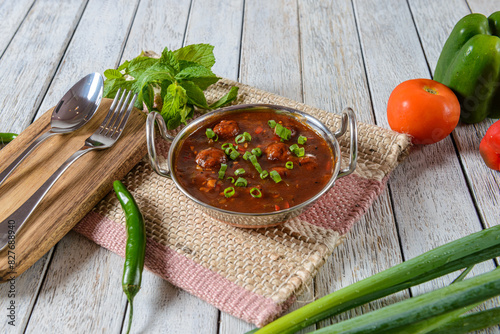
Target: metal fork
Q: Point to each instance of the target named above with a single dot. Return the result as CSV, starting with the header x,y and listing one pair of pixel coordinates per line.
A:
x,y
105,136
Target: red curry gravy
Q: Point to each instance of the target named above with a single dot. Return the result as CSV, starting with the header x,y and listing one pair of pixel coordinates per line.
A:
x,y
198,162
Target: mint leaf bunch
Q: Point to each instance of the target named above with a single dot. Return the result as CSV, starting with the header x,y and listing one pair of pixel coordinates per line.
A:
x,y
178,78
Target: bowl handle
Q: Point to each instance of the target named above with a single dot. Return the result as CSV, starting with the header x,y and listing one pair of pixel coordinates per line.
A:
x,y
150,139
348,116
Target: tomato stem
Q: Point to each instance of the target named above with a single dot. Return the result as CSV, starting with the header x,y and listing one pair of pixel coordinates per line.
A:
x,y
430,90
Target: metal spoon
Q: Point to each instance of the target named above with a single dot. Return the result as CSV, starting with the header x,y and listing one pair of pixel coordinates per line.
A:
x,y
75,109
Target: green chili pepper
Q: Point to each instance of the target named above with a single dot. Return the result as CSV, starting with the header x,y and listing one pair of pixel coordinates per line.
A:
x,y
136,246
7,137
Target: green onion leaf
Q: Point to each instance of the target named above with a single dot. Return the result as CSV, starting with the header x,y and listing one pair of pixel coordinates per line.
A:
x,y
257,151
302,140
241,182
271,123
234,154
239,139
245,137
230,178
239,171
211,134
282,132
289,165
256,193
228,192
226,147
222,171
253,160
264,174
298,151
275,176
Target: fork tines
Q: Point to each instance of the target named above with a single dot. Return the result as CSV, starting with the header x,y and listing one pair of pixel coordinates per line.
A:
x,y
118,114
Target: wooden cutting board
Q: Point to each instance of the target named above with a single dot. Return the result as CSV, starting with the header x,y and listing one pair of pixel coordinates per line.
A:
x,y
78,190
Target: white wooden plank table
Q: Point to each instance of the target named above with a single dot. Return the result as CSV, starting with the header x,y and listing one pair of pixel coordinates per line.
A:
x,y
326,54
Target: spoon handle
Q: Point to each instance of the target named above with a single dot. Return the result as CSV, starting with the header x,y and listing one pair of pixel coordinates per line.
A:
x,y
7,171
16,220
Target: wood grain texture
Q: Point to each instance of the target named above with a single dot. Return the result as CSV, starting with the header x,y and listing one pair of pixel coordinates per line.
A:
x,y
12,14
431,198
31,60
82,294
110,20
486,7
483,182
161,307
218,23
270,58
334,78
75,193
157,24
303,49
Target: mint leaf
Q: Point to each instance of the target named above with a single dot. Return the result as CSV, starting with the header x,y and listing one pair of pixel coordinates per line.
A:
x,y
111,86
226,99
185,113
168,59
148,96
138,65
195,94
199,53
153,75
113,74
124,65
174,101
200,75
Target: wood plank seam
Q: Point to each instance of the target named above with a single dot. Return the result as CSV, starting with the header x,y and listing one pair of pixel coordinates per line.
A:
x,y
17,29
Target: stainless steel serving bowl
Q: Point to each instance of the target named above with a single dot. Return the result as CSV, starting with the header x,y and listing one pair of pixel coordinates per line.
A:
x,y
254,220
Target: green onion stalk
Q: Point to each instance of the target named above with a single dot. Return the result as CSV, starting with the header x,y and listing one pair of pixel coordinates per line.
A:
x,y
453,256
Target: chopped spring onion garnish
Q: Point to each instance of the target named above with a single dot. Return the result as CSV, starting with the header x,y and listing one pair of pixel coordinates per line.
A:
x,y
289,165
234,154
271,123
222,171
282,132
245,137
228,192
239,139
264,174
230,178
275,176
298,151
241,182
247,155
253,160
211,134
230,150
302,140
239,171
226,147
255,192
257,152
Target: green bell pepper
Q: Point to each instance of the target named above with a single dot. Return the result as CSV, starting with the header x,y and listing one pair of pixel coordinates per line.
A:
x,y
470,65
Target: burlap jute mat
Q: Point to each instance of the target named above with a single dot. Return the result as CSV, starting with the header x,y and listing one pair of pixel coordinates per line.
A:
x,y
252,274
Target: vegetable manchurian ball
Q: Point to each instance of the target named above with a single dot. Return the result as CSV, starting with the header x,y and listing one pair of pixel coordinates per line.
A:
x,y
211,158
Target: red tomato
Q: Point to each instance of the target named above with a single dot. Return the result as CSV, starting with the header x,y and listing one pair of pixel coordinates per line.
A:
x,y
425,109
490,146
